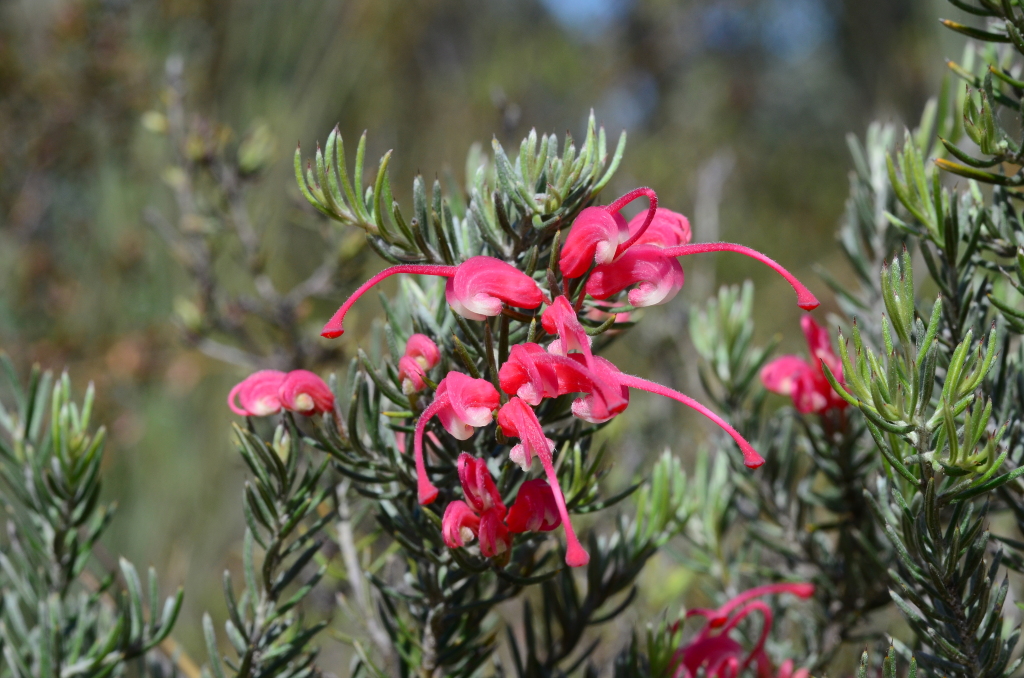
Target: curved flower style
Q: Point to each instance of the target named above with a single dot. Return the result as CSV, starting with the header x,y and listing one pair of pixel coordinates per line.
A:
x,y
600,234
476,289
462,404
535,508
659,281
518,420
719,655
484,514
421,355
804,298
804,381
306,393
584,408
257,394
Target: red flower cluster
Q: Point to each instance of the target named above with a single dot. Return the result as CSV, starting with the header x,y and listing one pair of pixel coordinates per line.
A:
x,y
721,656
269,391
484,516
640,254
804,381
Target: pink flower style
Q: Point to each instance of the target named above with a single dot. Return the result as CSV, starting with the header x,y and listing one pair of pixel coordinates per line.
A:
x,y
421,355
531,374
267,392
804,381
721,656
463,404
644,253
483,515
476,289
518,420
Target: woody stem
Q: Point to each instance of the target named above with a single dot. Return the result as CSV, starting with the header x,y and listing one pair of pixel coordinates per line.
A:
x,y
804,298
334,328
751,458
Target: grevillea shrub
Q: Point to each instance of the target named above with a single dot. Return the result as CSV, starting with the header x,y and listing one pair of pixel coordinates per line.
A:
x,y
446,487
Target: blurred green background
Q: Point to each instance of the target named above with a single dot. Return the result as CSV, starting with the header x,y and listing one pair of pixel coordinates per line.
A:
x,y
749,99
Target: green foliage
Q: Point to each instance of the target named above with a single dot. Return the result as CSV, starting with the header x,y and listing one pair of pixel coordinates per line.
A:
x,y
265,626
63,614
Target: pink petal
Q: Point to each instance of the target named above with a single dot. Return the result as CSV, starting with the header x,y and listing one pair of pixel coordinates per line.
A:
x,y
595,233
781,374
478,485
481,284
459,523
658,277
257,394
535,508
668,229
306,393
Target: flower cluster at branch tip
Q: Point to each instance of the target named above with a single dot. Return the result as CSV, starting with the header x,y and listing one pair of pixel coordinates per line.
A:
x,y
804,381
484,516
609,255
267,392
421,356
721,656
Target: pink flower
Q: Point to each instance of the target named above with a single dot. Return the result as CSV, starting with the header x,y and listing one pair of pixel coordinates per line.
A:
x,y
483,517
560,320
462,404
667,229
476,289
535,508
600,234
518,420
482,285
658,277
257,394
421,355
305,393
721,656
805,381
478,485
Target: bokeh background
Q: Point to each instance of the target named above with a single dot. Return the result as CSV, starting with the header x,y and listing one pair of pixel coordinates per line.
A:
x,y
737,112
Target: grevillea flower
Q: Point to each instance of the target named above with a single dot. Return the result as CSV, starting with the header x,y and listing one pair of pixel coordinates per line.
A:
x,y
421,355
304,392
484,516
667,229
560,319
658,278
476,289
658,281
518,420
535,508
805,381
481,516
257,394
600,234
462,404
721,656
